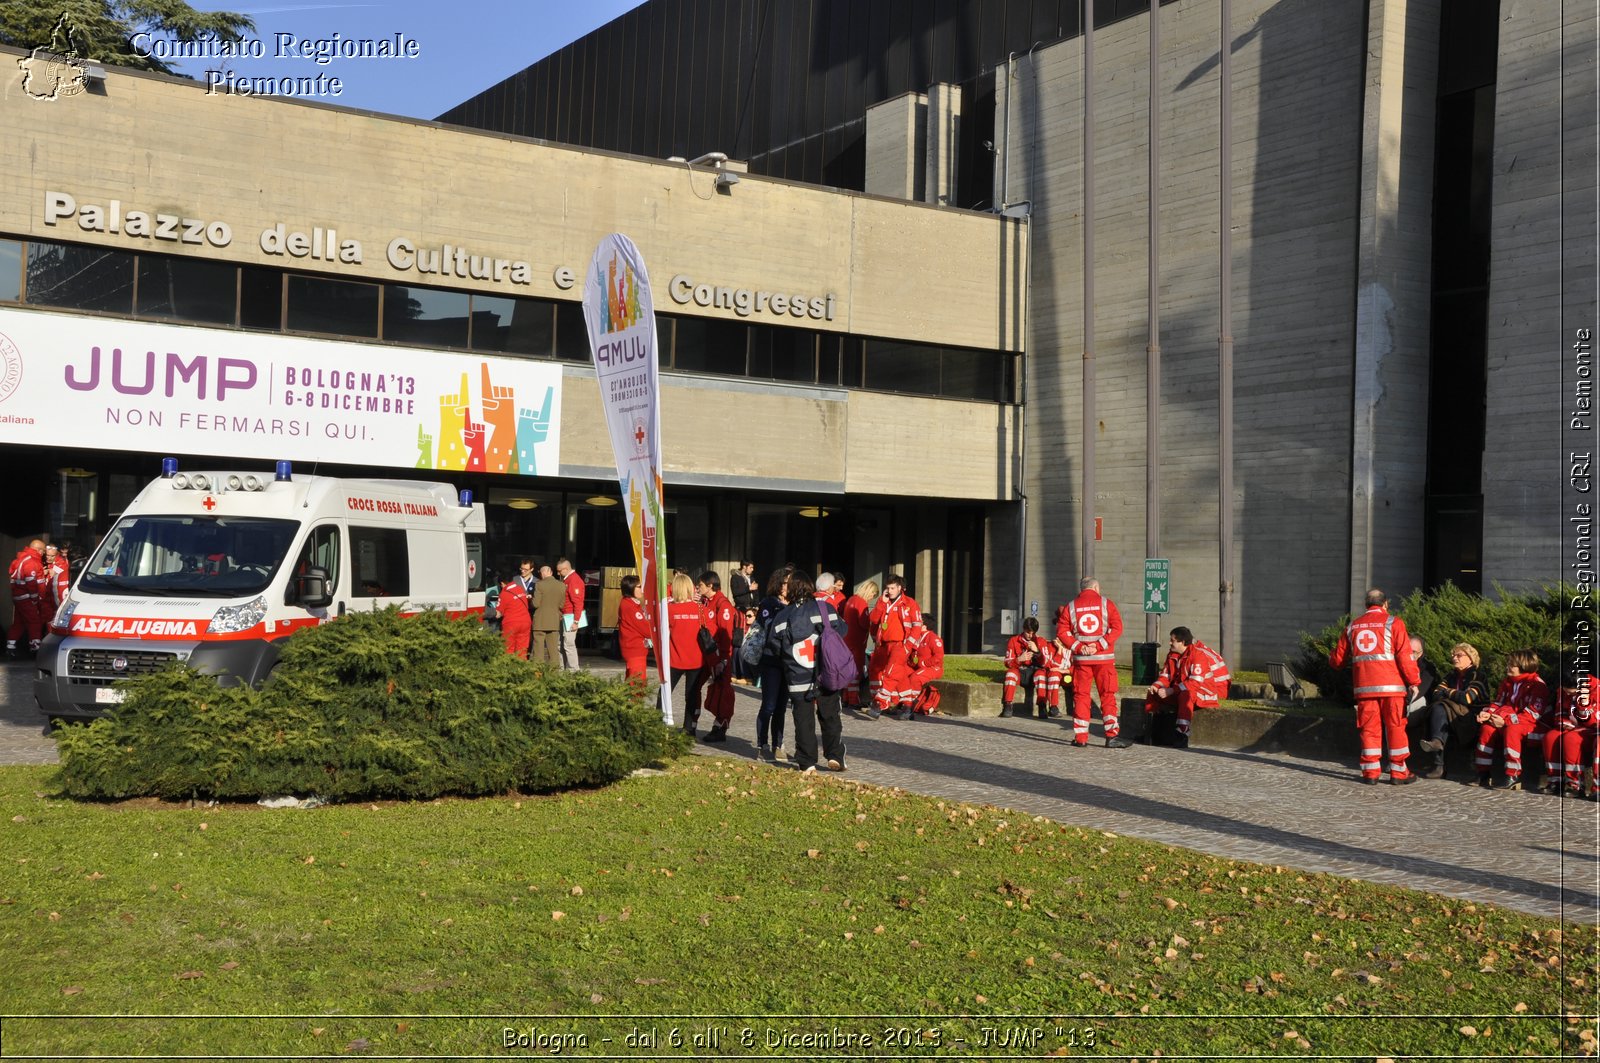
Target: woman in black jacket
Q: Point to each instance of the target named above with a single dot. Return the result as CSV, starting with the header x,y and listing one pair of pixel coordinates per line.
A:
x,y
1455,704
794,633
769,719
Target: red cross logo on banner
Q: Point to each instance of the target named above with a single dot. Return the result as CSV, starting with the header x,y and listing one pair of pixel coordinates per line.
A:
x,y
1089,623
806,652
210,503
638,434
1366,641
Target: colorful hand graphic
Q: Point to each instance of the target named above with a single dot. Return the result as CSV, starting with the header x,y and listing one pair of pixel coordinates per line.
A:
x,y
532,429
452,422
424,449
499,413
474,438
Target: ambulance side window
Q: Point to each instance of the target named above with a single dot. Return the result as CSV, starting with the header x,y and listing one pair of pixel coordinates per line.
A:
x,y
380,565
474,562
322,551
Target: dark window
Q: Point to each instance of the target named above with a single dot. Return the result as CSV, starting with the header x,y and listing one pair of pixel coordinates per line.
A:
x,y
260,298
829,347
321,551
909,367
851,358
379,563
10,271
970,374
187,289
706,345
343,308
783,353
572,335
79,278
515,326
425,316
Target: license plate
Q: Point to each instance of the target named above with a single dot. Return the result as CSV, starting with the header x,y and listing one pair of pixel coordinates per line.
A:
x,y
109,696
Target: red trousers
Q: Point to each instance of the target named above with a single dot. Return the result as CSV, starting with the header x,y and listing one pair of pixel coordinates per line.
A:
x,y
719,697
1510,737
1563,755
1103,675
517,637
889,674
1182,700
29,616
1378,719
1014,679
634,667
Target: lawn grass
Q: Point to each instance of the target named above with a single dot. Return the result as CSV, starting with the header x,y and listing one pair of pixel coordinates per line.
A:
x,y
774,902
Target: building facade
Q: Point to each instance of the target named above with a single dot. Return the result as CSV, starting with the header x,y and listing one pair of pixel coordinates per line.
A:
x,y
1413,256
234,280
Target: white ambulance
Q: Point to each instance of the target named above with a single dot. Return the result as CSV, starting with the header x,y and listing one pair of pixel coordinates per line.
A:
x,y
216,569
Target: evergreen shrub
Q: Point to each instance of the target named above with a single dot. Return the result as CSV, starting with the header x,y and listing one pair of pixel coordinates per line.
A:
x,y
1545,620
372,705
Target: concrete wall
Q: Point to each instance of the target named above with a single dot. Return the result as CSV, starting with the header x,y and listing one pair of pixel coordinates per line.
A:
x,y
1298,106
1541,287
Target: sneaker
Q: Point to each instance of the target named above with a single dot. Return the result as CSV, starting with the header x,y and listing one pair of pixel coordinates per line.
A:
x,y
1431,745
1402,780
812,770
1485,781
778,755
1181,742
835,765
763,752
900,714
716,734
1435,772
1005,712
873,712
1511,782
1055,712
1118,742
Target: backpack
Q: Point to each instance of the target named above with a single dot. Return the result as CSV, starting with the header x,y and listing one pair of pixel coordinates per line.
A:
x,y
836,665
755,641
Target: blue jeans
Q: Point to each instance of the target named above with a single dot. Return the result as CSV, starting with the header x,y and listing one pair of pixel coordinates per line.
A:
x,y
774,703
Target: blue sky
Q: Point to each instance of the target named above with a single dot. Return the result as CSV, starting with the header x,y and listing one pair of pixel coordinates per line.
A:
x,y
463,46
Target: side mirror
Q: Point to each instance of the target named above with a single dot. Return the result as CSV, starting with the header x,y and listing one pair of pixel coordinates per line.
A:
x,y
312,590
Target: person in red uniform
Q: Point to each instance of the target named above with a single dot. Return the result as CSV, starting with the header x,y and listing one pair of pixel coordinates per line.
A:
x,y
1519,703
719,688
516,621
925,657
858,627
686,618
830,589
894,619
1024,653
58,578
1194,677
1569,724
29,589
573,608
1056,662
1090,626
1378,647
635,632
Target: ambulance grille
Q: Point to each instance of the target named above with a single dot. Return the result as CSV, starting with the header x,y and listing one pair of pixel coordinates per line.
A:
x,y
101,663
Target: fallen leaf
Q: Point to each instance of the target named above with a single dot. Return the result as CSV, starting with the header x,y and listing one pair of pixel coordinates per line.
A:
x,y
648,981
55,917
205,826
558,916
813,853
190,974
1520,1008
401,1027
309,860
71,990
878,929
360,1044
1469,1031
230,965
595,998
577,891
19,819
849,935
981,999
318,1031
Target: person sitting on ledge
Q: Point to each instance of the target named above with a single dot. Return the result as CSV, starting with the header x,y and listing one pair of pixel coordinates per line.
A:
x,y
1193,677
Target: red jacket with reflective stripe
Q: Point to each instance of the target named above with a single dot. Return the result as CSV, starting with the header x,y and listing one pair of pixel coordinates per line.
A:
x,y
1203,673
1020,646
1521,697
1378,647
1090,626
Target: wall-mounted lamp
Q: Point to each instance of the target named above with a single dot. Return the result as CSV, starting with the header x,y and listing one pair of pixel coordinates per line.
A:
x,y
601,500
814,512
726,179
522,503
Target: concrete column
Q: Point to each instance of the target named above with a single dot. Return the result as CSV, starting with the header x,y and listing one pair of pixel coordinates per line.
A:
x,y
944,129
1389,450
897,132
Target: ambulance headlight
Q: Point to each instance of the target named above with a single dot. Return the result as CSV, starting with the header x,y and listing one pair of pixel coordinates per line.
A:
x,y
63,617
231,618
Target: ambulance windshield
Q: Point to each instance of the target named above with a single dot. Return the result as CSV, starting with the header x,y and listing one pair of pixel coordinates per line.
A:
x,y
214,557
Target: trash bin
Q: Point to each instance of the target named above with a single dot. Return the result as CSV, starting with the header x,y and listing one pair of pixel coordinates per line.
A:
x,y
1144,663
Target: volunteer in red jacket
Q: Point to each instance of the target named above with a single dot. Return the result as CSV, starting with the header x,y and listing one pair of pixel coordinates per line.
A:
x,y
686,618
516,621
1570,725
572,607
858,628
1090,626
29,588
1194,677
635,633
925,657
58,578
894,619
1518,705
1378,647
719,688
1023,654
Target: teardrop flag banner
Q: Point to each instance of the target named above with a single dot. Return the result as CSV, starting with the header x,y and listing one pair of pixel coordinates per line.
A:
x,y
622,340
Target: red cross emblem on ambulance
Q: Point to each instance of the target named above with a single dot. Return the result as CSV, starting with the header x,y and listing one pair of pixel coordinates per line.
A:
x,y
1366,641
806,653
209,502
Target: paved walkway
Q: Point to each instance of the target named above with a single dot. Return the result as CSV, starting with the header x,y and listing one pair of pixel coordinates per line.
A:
x,y
1524,851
